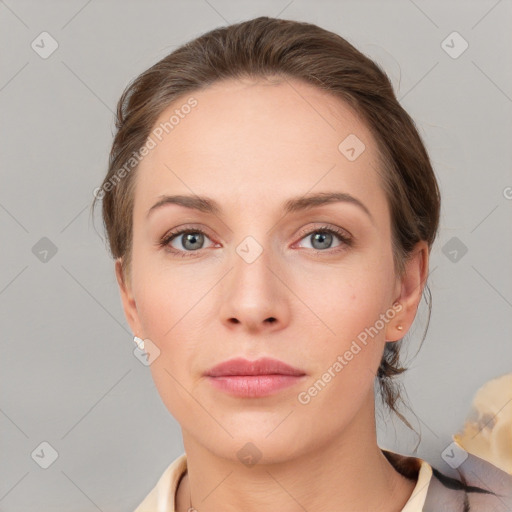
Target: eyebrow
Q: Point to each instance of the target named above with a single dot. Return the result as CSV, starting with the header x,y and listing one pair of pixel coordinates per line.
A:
x,y
208,205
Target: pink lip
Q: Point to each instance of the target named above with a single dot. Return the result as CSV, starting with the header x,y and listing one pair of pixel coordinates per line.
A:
x,y
262,366
250,379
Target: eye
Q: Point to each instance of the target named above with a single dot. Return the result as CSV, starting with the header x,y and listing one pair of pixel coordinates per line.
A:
x,y
322,238
190,240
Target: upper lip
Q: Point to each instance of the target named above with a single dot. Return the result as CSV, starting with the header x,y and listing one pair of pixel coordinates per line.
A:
x,y
262,366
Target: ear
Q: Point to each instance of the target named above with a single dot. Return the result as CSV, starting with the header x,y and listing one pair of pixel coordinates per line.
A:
x,y
409,291
129,305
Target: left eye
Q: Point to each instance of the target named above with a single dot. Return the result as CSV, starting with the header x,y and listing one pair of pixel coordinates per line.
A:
x,y
322,238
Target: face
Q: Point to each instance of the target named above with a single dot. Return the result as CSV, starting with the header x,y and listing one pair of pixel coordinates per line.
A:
x,y
312,285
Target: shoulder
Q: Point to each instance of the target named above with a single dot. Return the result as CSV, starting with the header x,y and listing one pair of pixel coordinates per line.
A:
x,y
162,495
479,487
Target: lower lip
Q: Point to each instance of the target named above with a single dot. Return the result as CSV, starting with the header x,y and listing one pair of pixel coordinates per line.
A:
x,y
252,386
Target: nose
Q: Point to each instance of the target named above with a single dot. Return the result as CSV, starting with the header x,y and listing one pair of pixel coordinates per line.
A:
x,y
254,295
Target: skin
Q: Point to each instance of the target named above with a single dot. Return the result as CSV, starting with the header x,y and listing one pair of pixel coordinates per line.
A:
x,y
251,145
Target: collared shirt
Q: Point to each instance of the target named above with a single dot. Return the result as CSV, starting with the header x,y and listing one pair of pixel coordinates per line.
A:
x,y
482,487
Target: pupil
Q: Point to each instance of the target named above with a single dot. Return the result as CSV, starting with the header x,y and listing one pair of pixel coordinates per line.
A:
x,y
322,237
192,238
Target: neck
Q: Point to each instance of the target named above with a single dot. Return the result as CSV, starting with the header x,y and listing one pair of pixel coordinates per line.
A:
x,y
347,473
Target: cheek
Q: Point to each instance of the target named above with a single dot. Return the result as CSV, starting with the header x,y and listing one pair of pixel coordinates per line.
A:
x,y
156,307
343,301
329,402
344,364
163,313
345,345
163,296
169,307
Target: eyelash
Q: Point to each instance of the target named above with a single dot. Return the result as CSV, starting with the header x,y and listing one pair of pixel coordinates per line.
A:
x,y
171,235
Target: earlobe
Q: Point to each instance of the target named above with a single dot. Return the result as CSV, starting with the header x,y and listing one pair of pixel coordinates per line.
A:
x,y
395,330
411,286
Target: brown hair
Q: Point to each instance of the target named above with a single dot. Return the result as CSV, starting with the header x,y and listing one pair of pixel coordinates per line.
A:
x,y
268,47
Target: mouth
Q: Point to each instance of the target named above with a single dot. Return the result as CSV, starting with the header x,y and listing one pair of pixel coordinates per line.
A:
x,y
253,386
250,379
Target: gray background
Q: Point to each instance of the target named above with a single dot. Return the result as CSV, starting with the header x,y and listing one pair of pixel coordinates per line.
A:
x,y
67,369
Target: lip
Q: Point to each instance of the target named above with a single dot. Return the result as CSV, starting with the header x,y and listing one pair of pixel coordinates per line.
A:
x,y
250,379
263,366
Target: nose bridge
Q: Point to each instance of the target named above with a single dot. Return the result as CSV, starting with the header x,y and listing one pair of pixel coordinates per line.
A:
x,y
252,261
252,294
252,255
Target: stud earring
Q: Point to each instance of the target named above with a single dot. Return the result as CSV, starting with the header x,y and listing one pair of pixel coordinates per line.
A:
x,y
139,342
399,327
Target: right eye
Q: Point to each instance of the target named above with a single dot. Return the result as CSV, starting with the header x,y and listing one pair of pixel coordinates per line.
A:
x,y
190,240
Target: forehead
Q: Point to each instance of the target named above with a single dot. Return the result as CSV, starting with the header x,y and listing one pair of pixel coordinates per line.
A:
x,y
261,139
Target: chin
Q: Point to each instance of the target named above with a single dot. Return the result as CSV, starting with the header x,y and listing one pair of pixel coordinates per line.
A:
x,y
251,451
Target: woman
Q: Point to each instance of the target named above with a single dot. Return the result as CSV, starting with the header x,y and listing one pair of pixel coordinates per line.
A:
x,y
271,209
